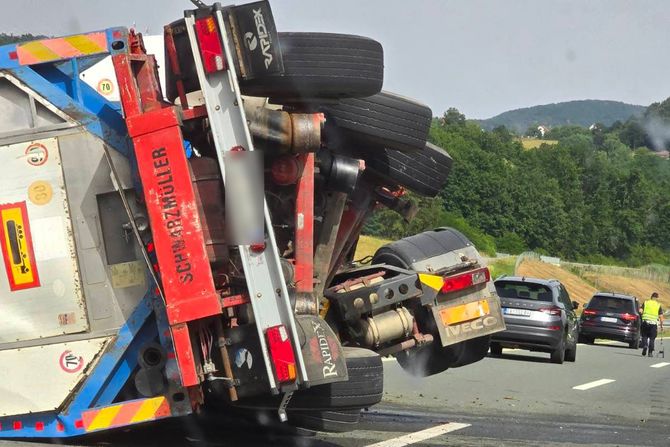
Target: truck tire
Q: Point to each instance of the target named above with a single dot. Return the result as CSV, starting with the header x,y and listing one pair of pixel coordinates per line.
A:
x,y
496,349
339,421
430,359
363,389
407,251
316,66
424,172
385,120
322,65
474,350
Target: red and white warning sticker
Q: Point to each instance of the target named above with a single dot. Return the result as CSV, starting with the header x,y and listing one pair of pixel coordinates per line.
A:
x,y
70,362
37,154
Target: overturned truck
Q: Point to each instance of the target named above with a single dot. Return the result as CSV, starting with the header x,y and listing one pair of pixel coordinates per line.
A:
x,y
193,246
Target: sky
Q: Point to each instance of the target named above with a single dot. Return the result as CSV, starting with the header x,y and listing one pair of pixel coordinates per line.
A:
x,y
481,56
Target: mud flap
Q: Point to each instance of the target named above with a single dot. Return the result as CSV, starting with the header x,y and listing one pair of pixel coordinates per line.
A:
x,y
321,350
468,317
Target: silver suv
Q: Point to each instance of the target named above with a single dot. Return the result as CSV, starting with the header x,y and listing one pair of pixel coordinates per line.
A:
x,y
539,316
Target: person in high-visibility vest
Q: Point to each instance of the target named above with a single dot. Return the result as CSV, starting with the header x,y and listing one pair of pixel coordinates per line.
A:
x,y
652,316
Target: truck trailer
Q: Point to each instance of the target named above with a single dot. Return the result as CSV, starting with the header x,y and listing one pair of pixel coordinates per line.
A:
x,y
171,249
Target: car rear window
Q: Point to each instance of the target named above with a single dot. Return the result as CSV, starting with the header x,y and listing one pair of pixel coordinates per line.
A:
x,y
523,290
611,304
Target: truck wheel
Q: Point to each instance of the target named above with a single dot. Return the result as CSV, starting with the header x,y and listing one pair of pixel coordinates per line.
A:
x,y
322,65
429,360
316,65
496,349
424,172
385,120
363,389
473,351
327,421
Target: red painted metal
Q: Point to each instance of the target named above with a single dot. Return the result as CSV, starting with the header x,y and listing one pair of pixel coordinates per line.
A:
x,y
173,60
153,125
185,359
304,226
234,300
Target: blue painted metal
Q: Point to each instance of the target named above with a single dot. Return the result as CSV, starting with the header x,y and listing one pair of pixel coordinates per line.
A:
x,y
59,83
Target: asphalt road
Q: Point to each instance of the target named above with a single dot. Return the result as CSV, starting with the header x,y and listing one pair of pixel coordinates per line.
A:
x,y
520,399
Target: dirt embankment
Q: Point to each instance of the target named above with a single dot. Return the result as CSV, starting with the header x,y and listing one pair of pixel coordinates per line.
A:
x,y
581,289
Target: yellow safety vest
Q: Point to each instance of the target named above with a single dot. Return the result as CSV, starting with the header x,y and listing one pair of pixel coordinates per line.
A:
x,y
650,312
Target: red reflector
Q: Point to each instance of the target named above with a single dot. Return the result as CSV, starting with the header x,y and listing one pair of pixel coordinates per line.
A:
x,y
257,248
281,353
39,426
17,425
60,426
589,312
551,311
629,317
13,55
465,280
554,328
79,423
210,45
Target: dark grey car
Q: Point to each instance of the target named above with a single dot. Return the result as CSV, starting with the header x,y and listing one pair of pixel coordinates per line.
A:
x,y
539,317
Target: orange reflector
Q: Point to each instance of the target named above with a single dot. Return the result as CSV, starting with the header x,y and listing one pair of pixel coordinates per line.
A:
x,y
464,312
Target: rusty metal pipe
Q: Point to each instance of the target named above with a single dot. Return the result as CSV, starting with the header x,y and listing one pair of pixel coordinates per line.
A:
x,y
227,368
284,132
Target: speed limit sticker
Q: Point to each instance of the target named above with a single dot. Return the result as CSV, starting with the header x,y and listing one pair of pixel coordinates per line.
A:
x,y
105,87
37,154
70,362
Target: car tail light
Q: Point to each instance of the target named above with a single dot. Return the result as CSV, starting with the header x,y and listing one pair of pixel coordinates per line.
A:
x,y
210,45
465,280
554,310
281,353
628,317
589,312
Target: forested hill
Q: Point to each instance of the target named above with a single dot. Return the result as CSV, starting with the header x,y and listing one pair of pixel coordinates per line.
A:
x,y
597,195
580,113
11,38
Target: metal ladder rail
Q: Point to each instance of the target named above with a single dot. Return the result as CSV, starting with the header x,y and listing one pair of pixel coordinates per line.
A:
x,y
263,272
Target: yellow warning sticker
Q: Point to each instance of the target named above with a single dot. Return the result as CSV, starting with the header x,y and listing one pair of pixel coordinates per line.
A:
x,y
40,192
17,247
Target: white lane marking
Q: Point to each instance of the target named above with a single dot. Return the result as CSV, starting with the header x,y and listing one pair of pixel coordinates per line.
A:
x,y
420,436
660,365
588,386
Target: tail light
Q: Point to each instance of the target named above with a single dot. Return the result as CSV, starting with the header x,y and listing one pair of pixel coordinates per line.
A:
x,y
589,312
209,41
281,353
628,317
554,310
465,280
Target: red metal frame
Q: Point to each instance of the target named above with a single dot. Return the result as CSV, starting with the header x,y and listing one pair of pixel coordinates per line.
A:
x,y
154,127
304,226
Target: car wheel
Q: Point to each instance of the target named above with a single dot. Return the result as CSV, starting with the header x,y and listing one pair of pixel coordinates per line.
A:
x,y
496,349
571,354
424,172
558,354
384,120
635,344
327,421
